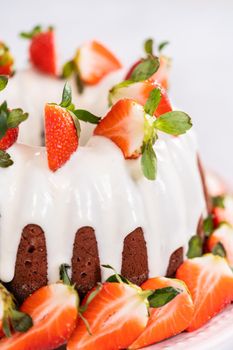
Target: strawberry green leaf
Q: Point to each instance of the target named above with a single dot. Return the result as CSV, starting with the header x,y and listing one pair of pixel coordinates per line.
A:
x,y
145,69
153,101
15,117
66,96
3,82
162,296
20,321
91,296
29,35
68,69
113,279
3,123
208,225
79,83
6,327
149,162
195,247
162,45
76,123
5,160
219,249
174,123
64,275
118,277
148,46
218,201
86,116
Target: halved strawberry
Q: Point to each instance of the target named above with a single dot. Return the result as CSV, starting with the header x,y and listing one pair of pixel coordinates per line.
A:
x,y
116,316
223,235
161,73
9,122
140,92
6,60
60,135
10,318
54,310
94,61
210,282
134,129
169,320
124,125
160,76
42,49
223,209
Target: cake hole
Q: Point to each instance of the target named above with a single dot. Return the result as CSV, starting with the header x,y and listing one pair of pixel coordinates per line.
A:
x,y
31,249
89,263
78,260
28,263
83,275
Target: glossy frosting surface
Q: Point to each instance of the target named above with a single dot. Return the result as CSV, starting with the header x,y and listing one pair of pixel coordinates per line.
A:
x,y
97,188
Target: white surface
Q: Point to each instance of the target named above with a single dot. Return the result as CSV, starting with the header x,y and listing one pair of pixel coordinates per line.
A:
x,y
216,335
200,32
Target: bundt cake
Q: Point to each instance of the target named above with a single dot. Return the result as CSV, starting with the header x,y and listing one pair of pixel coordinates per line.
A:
x,y
98,208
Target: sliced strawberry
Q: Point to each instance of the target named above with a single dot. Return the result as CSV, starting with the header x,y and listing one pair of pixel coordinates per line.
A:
x,y
54,310
9,139
94,62
116,317
169,320
210,281
223,212
161,76
223,235
60,135
140,92
42,49
124,125
6,60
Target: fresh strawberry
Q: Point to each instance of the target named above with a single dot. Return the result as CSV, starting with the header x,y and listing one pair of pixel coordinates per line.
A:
x,y
9,125
124,125
93,62
9,139
223,235
140,92
61,130
42,49
210,282
116,315
169,320
10,318
161,73
223,209
54,311
6,60
160,76
60,135
134,129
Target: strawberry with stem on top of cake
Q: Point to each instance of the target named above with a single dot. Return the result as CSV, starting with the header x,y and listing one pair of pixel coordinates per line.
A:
x,y
157,68
42,49
92,62
9,126
6,60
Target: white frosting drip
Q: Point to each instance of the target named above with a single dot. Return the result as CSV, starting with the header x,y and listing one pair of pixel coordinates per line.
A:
x,y
97,187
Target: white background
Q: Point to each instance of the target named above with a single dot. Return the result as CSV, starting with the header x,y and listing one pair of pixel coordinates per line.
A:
x,y
201,36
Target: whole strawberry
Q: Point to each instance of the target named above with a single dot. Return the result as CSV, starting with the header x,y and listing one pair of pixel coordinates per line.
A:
x,y
42,49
